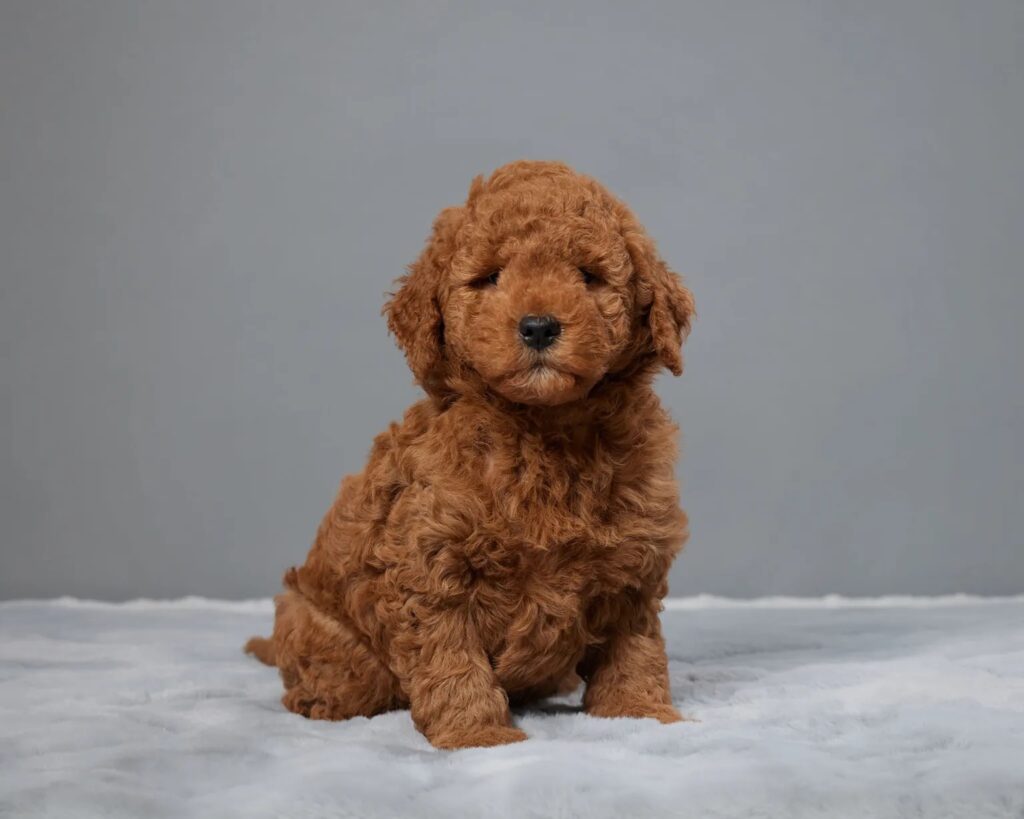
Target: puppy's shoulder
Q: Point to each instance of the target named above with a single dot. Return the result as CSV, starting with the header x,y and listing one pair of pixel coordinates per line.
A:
x,y
431,437
415,423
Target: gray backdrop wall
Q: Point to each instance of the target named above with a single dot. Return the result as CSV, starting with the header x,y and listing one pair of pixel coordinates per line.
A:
x,y
203,203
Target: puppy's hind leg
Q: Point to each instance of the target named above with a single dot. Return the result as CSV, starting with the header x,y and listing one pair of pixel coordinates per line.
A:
x,y
327,670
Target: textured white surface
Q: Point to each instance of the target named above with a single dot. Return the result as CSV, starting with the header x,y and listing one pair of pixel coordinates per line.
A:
x,y
895,707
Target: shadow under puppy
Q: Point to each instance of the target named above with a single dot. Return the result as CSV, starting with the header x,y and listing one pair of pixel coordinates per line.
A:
x,y
517,527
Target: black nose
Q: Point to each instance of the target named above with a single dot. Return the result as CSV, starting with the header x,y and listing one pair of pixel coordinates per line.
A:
x,y
539,332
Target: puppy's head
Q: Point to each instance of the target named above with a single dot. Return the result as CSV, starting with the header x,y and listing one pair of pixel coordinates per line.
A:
x,y
539,286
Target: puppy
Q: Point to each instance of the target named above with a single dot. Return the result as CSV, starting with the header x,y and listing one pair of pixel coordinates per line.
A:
x,y
516,529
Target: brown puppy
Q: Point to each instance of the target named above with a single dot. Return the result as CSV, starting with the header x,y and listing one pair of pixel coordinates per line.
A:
x,y
518,526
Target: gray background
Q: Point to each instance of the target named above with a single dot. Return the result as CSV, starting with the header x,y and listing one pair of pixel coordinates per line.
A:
x,y
203,203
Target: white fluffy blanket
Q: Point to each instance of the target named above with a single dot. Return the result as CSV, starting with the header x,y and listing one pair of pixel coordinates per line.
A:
x,y
876,708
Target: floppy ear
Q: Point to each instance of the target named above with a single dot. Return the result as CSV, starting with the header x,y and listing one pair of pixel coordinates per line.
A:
x,y
668,302
414,312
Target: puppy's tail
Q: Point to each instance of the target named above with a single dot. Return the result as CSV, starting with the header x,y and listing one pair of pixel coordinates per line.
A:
x,y
262,648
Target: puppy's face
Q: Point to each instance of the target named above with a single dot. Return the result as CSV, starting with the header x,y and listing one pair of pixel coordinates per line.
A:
x,y
540,285
539,298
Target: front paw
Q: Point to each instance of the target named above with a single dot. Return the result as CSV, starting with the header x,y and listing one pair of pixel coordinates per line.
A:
x,y
663,713
484,737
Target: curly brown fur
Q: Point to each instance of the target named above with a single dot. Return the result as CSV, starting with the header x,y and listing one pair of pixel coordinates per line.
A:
x,y
517,527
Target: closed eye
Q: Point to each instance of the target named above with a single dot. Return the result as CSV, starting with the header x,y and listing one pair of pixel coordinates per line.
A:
x,y
490,280
589,276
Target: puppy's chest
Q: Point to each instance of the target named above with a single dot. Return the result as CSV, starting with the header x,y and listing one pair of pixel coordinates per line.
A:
x,y
533,618
555,514
559,533
550,493
532,612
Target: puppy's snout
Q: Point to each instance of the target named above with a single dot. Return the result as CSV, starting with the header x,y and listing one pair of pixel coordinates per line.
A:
x,y
538,332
